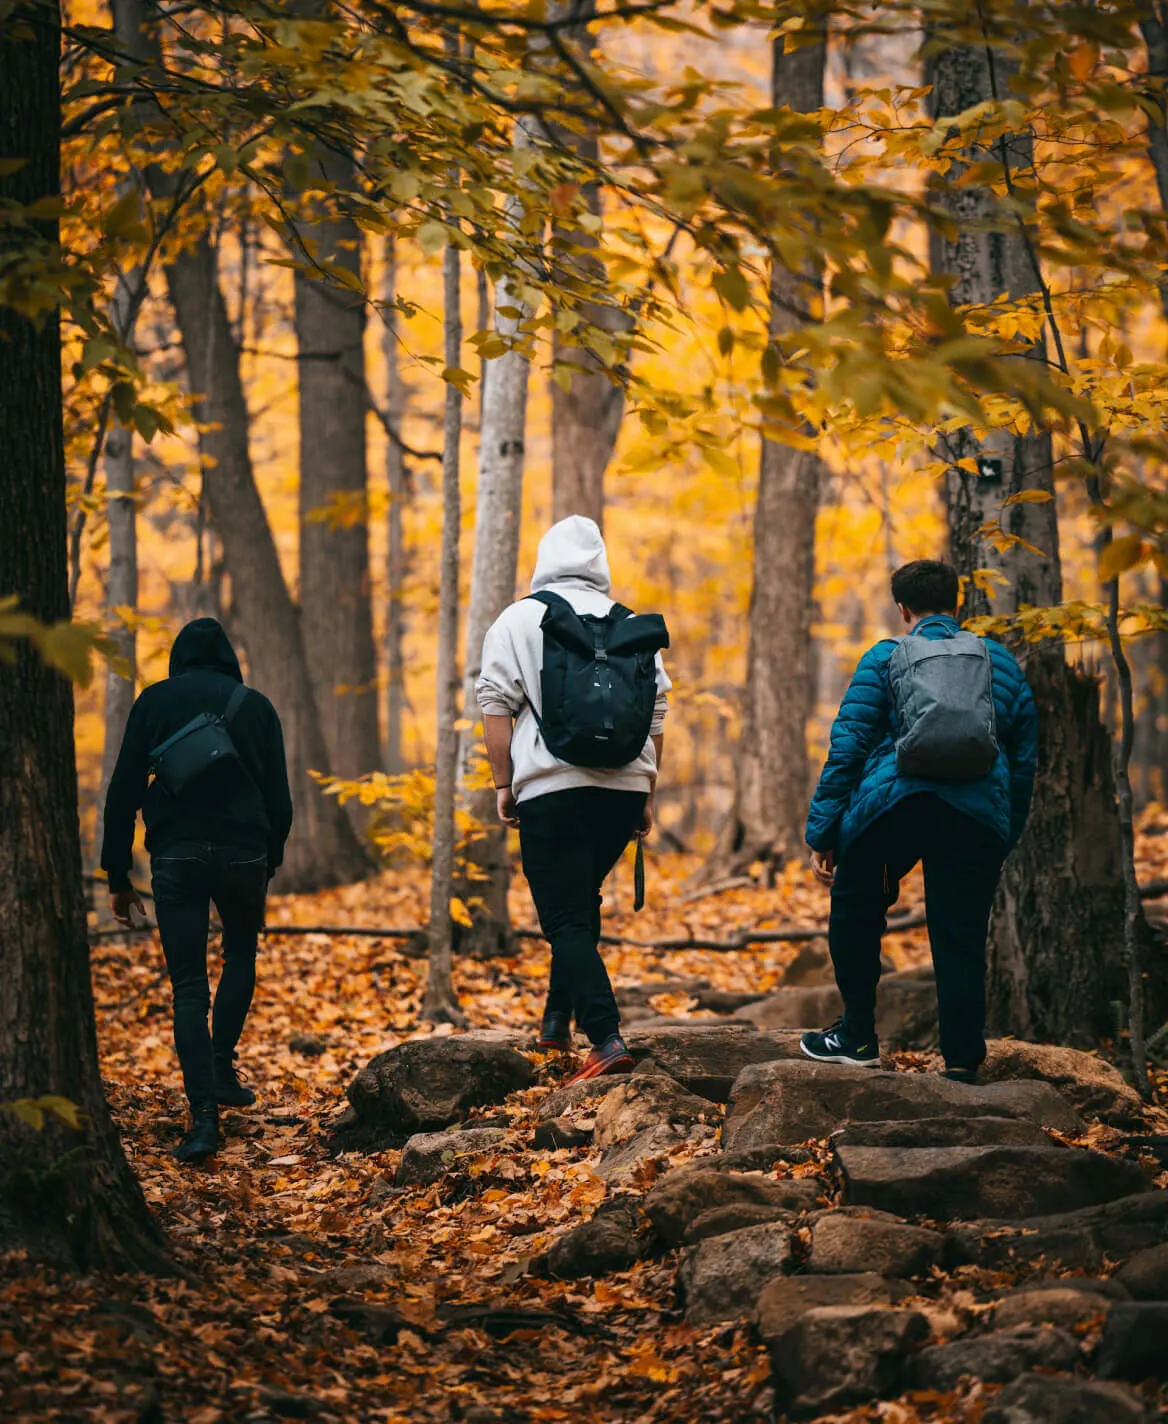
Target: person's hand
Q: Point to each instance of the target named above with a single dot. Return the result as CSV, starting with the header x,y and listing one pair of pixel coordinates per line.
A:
x,y
122,902
646,820
823,866
505,804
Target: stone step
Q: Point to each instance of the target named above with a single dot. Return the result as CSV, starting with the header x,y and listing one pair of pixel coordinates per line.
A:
x,y
964,1183
707,1059
793,1101
943,1132
1079,1239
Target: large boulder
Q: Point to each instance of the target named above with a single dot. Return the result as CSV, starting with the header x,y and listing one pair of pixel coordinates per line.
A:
x,y
1091,1083
809,1006
1135,1342
1046,1399
1067,1309
427,1084
623,1162
787,1299
846,1243
841,1355
427,1156
1145,1277
963,1183
811,966
681,1197
797,1100
606,1242
721,1277
564,1101
906,1009
735,1216
943,1132
643,1102
995,1358
707,1059
1076,1239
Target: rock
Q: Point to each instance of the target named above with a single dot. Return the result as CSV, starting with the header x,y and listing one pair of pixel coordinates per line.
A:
x,y
811,966
1046,1399
944,1132
563,1100
1135,1342
559,1132
787,1299
802,1008
838,1355
639,995
726,1001
607,1242
847,1244
1105,1286
1077,1239
906,1009
681,1197
426,1084
365,1276
721,1277
795,1101
308,1045
960,1183
1145,1277
427,1156
995,1358
706,1059
643,1102
1063,1308
736,1216
761,1159
624,1159
1091,1083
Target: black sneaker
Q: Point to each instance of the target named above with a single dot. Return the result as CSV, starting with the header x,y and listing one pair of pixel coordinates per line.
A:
x,y
230,1091
837,1045
968,1076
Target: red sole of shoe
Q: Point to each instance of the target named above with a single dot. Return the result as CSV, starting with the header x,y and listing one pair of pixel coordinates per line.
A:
x,y
599,1070
545,1045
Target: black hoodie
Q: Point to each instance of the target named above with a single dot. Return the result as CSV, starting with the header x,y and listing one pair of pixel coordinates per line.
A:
x,y
247,808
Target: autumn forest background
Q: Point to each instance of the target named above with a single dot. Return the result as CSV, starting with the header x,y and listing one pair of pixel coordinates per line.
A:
x,y
313,317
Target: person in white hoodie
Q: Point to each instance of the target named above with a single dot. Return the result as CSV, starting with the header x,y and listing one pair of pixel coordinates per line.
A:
x,y
574,821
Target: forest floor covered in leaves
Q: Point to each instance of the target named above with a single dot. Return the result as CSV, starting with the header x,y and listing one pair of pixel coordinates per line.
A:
x,y
280,1226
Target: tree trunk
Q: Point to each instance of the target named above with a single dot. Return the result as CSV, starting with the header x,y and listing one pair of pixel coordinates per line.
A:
x,y
772,773
1056,938
397,564
439,1004
496,560
67,1196
336,614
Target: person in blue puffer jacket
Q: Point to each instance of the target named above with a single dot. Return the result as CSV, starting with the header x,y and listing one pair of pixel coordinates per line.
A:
x,y
869,825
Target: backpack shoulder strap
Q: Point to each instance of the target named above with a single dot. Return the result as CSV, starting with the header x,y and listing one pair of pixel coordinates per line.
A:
x,y
550,600
234,703
618,613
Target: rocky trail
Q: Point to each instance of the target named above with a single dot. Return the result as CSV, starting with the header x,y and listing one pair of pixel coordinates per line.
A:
x,y
438,1229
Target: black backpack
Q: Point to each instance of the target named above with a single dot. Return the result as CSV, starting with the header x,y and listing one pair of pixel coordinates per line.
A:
x,y
196,748
598,683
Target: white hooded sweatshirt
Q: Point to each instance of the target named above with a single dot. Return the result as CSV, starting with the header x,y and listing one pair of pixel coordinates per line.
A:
x,y
572,562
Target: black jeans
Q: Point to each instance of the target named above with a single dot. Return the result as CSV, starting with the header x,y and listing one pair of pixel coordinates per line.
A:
x,y
185,879
962,861
570,840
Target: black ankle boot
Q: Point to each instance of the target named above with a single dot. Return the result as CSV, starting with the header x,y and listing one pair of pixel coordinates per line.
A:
x,y
203,1138
229,1091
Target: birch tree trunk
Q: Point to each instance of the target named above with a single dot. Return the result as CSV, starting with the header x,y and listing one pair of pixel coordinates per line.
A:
x,y
1056,938
67,1195
496,558
439,1004
772,776
336,612
323,848
398,491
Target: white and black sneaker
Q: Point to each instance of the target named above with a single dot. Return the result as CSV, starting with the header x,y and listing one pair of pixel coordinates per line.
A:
x,y
837,1045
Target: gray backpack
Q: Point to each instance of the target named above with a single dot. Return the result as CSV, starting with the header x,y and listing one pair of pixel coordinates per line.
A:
x,y
943,692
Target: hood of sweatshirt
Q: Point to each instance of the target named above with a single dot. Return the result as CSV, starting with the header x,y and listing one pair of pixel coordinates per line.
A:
x,y
204,644
572,551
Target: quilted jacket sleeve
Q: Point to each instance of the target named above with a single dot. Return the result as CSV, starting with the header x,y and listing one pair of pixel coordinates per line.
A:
x,y
1020,743
860,726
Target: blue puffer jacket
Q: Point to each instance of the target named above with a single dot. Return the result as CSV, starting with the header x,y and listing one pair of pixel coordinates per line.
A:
x,y
860,781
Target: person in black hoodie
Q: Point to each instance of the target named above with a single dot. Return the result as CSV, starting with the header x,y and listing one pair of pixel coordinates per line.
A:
x,y
220,839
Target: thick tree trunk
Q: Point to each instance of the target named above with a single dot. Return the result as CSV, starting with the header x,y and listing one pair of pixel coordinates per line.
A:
x,y
496,559
1056,939
336,615
67,1196
396,559
439,1003
772,772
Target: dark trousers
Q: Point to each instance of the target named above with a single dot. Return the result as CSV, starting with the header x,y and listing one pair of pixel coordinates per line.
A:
x,y
186,879
570,840
962,861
